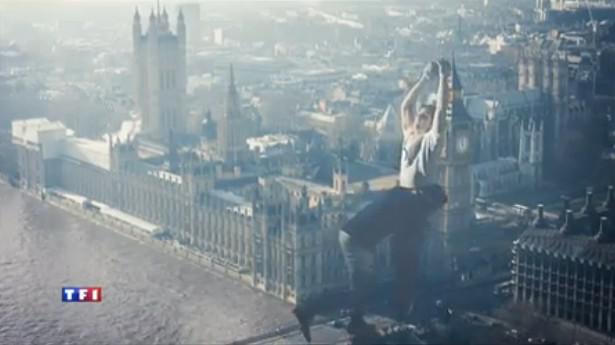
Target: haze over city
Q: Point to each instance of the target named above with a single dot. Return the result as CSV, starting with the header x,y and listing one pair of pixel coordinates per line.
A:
x,y
286,172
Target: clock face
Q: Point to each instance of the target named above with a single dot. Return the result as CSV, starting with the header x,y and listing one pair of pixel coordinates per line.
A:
x,y
463,143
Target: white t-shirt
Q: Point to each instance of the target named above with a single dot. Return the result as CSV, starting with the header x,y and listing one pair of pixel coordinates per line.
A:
x,y
417,165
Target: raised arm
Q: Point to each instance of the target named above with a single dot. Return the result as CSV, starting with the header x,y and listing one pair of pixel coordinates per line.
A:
x,y
408,103
440,111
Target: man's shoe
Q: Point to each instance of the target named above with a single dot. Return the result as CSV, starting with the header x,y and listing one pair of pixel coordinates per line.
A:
x,y
305,321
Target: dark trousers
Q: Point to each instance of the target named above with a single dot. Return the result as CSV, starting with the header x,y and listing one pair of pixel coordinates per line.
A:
x,y
406,256
360,264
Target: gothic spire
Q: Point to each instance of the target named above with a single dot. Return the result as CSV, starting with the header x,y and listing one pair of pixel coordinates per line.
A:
x,y
457,108
164,19
164,16
232,98
456,83
136,25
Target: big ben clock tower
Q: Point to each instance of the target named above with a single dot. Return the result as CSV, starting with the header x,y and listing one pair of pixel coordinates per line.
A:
x,y
454,163
453,169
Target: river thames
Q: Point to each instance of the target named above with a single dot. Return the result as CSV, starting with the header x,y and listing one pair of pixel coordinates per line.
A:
x,y
148,296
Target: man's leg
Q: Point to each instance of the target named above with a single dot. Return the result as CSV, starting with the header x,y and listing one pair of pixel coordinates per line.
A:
x,y
359,263
360,266
406,255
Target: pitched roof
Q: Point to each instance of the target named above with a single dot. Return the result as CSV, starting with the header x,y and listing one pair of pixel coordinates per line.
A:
x,y
577,247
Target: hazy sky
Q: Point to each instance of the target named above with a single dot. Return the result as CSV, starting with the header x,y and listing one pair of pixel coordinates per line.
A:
x,y
168,3
162,2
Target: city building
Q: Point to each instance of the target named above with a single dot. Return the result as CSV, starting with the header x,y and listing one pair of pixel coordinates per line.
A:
x,y
565,268
483,78
332,125
271,144
543,66
159,71
567,11
509,141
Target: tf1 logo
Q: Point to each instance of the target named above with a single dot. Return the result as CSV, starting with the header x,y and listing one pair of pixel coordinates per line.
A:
x,y
81,294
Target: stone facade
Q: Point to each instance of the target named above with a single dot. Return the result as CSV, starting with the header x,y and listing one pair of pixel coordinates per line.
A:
x,y
543,66
506,174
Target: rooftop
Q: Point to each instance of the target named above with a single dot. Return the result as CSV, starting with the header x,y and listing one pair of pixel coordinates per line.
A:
x,y
578,247
588,235
28,130
295,183
229,197
95,152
